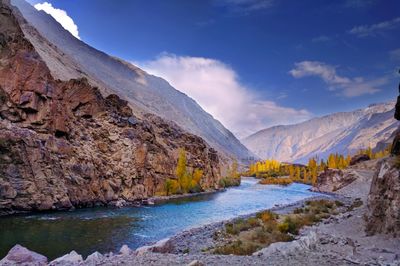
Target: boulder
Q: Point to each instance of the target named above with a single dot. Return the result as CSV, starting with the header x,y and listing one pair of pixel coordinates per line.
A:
x,y
333,179
94,258
70,258
384,199
20,255
304,243
125,250
195,263
162,246
359,158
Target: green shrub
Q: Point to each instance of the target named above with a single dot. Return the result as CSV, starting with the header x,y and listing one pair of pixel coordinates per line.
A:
x,y
298,210
231,229
356,203
237,248
283,227
339,203
229,182
253,222
293,225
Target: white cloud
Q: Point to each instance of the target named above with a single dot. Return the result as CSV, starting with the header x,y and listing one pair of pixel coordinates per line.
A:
x,y
375,29
348,87
216,87
60,16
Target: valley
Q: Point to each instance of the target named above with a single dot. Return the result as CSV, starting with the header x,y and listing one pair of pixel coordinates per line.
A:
x,y
104,163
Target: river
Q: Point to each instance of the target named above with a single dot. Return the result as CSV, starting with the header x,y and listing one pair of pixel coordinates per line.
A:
x,y
106,229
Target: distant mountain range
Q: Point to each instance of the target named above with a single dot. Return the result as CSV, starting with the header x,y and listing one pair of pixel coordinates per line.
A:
x,y
344,132
68,57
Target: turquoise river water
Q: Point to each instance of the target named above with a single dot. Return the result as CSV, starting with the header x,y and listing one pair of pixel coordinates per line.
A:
x,y
107,229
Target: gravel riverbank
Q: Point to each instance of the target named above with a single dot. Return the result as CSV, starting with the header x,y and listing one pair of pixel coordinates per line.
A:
x,y
338,240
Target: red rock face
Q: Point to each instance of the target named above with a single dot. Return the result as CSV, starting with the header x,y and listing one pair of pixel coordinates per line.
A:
x,y
63,144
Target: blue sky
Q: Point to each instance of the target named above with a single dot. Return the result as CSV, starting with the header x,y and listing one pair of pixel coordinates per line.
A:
x,y
254,63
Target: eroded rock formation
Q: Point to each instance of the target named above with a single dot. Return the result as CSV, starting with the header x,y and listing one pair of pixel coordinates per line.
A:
x,y
331,180
384,199
359,158
63,144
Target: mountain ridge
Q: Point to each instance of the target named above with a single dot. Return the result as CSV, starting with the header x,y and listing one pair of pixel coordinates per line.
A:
x,y
342,132
63,145
145,93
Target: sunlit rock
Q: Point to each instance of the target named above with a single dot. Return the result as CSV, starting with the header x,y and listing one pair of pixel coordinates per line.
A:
x,y
20,255
69,258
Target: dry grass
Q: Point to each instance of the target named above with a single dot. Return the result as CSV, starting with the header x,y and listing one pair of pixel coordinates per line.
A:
x,y
245,236
356,203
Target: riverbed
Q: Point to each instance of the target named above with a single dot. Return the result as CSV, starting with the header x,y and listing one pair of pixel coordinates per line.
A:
x,y
106,229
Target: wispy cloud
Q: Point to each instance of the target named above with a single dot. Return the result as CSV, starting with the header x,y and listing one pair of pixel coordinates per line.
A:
x,y
395,54
375,29
322,38
348,87
60,16
245,7
216,87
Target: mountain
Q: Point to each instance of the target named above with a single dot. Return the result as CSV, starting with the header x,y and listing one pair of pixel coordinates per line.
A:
x,y
68,57
345,132
63,144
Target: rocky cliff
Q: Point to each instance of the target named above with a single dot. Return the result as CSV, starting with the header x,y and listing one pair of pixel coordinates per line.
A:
x,y
384,197
68,57
62,144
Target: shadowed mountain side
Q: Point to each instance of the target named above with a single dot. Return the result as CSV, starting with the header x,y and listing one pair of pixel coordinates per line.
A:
x,y
72,58
64,145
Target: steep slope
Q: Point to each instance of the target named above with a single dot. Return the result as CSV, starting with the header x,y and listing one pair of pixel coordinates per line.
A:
x,y
341,132
62,144
145,93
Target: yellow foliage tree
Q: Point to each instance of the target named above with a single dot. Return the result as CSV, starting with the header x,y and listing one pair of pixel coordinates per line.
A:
x,y
181,167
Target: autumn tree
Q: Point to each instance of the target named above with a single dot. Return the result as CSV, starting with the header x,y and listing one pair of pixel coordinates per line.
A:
x,y
182,175
298,174
332,161
195,180
305,174
291,171
234,170
181,167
